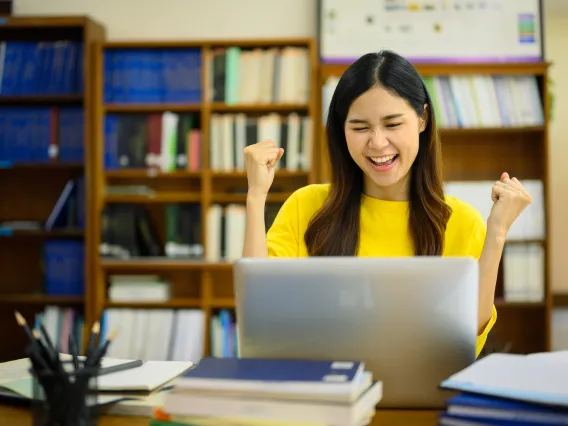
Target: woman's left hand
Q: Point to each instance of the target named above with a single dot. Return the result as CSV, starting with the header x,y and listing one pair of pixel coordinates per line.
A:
x,y
510,198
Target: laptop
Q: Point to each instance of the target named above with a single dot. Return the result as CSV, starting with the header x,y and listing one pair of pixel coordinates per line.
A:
x,y
412,320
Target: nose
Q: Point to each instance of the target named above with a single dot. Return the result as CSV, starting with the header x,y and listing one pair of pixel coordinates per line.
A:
x,y
378,140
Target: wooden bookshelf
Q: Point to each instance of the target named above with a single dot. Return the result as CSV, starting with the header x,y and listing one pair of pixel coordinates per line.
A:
x,y
482,154
195,283
30,189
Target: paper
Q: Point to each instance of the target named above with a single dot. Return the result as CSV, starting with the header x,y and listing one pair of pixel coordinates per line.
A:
x,y
15,375
14,370
151,375
540,377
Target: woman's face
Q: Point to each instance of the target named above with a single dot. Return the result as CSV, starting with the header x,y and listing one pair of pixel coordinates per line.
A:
x,y
382,132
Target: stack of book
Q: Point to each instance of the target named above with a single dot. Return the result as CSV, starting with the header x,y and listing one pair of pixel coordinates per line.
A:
x,y
510,389
247,391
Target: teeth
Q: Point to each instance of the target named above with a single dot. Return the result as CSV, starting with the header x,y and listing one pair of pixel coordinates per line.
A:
x,y
383,159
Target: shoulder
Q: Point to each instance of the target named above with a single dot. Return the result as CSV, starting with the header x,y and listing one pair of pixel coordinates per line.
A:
x,y
463,212
312,194
304,202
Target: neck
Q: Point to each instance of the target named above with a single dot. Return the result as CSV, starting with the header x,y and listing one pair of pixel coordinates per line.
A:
x,y
397,192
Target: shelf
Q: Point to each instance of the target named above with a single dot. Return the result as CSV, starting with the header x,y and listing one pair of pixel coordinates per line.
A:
x,y
39,299
246,43
221,107
172,197
139,108
241,198
560,300
161,263
523,242
169,304
40,166
280,174
150,173
500,303
484,130
40,99
223,303
442,69
41,233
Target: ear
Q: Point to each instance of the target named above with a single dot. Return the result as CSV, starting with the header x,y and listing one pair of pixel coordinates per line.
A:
x,y
424,118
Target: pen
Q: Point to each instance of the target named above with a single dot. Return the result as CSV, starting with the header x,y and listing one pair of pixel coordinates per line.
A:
x,y
120,367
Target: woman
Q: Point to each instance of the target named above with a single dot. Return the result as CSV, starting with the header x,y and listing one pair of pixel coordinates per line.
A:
x,y
386,194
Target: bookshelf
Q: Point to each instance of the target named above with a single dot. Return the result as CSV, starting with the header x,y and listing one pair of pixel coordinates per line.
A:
x,y
177,187
514,139
46,121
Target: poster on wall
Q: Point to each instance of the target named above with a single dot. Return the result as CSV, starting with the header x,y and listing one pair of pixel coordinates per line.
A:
x,y
432,30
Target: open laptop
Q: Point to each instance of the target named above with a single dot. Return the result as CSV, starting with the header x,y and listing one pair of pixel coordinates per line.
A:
x,y
413,320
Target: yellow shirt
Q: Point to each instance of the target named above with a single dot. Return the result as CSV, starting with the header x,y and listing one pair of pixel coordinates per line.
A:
x,y
465,231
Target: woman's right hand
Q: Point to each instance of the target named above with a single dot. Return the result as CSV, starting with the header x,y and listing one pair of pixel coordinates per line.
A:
x,y
260,161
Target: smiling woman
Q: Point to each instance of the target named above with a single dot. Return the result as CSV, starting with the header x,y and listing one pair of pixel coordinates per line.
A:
x,y
386,194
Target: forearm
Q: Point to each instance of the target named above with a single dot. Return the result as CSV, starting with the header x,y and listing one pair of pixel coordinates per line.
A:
x,y
488,270
255,232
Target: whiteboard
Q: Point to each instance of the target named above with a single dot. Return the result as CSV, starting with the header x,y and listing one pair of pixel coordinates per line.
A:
x,y
432,30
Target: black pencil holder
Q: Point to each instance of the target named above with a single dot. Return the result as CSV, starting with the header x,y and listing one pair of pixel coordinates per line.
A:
x,y
67,397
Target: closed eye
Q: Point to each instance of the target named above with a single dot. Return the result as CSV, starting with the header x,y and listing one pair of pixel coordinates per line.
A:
x,y
393,125
359,129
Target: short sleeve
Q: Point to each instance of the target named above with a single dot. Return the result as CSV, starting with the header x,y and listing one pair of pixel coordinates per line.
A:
x,y
482,338
282,239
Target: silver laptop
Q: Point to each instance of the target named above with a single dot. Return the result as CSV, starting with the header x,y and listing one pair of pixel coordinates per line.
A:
x,y
413,321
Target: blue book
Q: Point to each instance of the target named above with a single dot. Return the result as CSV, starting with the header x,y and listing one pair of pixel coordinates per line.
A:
x,y
478,407
276,376
540,378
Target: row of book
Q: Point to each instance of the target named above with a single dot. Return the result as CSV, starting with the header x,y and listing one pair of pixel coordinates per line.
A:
x,y
128,230
524,272
152,75
41,134
168,334
41,68
473,101
226,226
59,323
166,141
231,133
260,76
156,289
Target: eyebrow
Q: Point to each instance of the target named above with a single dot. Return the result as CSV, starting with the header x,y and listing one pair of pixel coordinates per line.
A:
x,y
386,117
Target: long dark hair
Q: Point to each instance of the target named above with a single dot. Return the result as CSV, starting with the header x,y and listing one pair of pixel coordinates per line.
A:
x,y
334,229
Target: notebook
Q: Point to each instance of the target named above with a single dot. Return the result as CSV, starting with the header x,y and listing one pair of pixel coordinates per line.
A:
x,y
276,377
16,380
484,407
539,378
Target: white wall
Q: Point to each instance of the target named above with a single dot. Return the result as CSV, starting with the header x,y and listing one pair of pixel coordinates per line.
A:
x,y
171,19
174,19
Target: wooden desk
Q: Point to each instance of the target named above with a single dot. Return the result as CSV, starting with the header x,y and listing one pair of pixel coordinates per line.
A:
x,y
17,416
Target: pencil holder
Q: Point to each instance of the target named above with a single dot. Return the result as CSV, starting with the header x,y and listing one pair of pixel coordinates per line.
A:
x,y
66,397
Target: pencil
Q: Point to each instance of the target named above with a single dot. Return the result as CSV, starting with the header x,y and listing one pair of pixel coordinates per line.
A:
x,y
49,344
96,357
94,334
35,351
73,349
120,367
22,323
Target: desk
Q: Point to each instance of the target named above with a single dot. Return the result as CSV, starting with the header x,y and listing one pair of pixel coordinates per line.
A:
x,y
17,416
